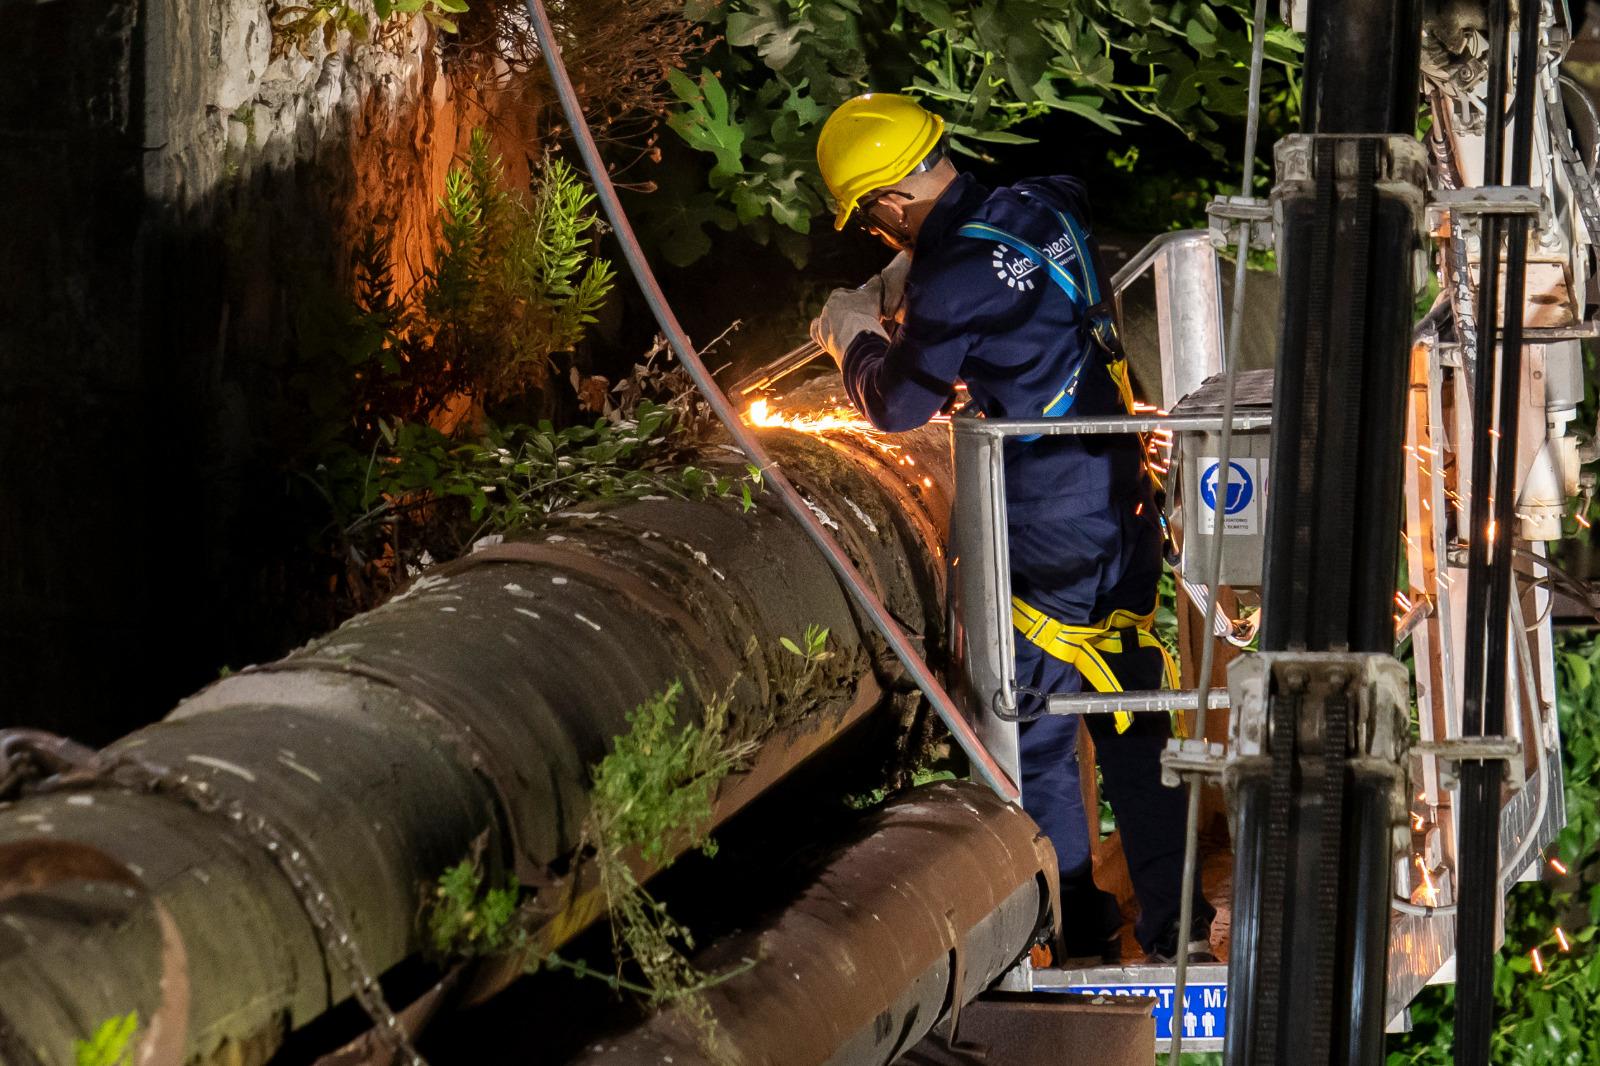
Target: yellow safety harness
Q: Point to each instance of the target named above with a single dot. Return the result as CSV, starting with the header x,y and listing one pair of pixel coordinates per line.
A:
x,y
1086,647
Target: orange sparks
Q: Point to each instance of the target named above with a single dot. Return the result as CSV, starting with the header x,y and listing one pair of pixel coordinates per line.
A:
x,y
1427,893
840,418
1582,521
1558,866
1561,938
1402,601
1139,510
1538,961
1416,822
927,482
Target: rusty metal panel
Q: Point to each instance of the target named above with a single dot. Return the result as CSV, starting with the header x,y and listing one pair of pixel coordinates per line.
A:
x,y
1044,1029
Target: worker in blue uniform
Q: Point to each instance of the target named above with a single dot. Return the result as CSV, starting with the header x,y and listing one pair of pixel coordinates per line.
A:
x,y
1000,289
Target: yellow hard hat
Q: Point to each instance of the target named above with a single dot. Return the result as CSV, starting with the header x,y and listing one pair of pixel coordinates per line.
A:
x,y
873,141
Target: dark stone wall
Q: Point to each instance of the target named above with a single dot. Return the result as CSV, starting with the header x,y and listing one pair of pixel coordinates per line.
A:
x,y
182,207
80,548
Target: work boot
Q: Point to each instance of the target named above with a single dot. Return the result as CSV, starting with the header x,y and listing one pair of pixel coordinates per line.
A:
x,y
1198,951
1091,922
1198,948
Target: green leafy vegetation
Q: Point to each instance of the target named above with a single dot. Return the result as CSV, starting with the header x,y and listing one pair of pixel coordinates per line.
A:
x,y
109,1044
1549,1009
812,647
445,493
451,387
992,69
651,798
512,284
297,26
652,794
468,917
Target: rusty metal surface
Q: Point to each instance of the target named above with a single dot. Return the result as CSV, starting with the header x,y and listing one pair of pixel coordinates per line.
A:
x,y
1044,1029
935,896
475,700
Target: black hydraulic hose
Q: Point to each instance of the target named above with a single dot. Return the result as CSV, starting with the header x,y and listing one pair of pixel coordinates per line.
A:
x,y
1489,577
855,586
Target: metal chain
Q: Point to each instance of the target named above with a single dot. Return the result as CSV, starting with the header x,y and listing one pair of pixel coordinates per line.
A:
x,y
20,763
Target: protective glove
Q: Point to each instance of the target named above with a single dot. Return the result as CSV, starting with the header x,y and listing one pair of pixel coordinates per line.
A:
x,y
892,303
847,315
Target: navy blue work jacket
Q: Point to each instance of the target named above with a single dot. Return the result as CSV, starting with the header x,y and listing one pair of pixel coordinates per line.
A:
x,y
986,314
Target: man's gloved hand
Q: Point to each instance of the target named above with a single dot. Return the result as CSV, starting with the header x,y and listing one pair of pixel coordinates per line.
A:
x,y
893,276
848,314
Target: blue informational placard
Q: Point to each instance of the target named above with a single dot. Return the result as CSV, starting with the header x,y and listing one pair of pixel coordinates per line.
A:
x,y
1204,1014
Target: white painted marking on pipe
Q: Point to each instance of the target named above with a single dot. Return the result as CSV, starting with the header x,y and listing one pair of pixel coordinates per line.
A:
x,y
523,610
822,516
861,515
222,764
300,769
581,618
558,580
80,799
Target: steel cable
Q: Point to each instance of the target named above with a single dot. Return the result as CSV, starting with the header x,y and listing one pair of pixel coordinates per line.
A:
x,y
1191,822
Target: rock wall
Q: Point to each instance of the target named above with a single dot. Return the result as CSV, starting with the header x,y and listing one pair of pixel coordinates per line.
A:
x,y
182,205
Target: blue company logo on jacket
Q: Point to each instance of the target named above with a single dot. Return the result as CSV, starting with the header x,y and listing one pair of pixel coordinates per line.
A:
x,y
1014,269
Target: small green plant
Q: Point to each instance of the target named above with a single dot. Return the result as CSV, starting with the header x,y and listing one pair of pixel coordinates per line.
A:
x,y
109,1045
651,794
466,917
654,790
514,281
815,641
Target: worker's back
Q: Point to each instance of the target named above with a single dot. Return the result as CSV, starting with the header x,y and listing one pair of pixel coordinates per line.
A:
x,y
1020,332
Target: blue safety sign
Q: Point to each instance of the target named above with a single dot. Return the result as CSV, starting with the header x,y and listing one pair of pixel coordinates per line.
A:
x,y
1205,1007
1241,487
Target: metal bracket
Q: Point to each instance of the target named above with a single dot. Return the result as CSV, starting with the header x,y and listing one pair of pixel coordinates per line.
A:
x,y
1471,204
1453,751
1186,757
1226,213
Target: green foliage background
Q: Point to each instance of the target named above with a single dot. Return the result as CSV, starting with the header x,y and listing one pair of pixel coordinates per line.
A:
x,y
1554,1016
992,69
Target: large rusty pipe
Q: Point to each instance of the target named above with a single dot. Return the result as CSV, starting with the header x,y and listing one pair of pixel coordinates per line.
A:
x,y
474,704
936,895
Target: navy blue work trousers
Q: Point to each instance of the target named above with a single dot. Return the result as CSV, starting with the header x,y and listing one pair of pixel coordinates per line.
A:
x,y
1079,567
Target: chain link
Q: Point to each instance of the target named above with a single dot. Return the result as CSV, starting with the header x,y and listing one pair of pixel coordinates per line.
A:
x,y
20,762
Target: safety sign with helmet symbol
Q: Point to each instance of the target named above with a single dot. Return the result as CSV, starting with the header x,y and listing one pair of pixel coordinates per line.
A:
x,y
1243,504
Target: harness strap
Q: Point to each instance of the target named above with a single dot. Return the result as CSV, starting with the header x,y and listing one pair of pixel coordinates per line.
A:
x,y
1084,292
1085,647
